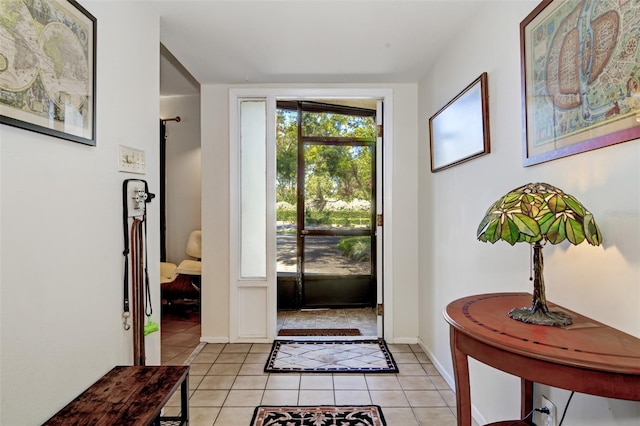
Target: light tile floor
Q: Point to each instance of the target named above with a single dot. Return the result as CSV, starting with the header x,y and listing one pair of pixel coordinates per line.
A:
x,y
227,382
180,330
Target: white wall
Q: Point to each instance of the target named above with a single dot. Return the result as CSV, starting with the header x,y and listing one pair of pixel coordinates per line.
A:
x,y
600,282
182,172
61,249
404,203
215,213
215,208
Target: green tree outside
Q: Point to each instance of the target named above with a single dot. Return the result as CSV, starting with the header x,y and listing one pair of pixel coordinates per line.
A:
x,y
333,171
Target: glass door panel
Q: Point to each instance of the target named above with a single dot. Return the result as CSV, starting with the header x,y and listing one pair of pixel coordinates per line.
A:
x,y
336,206
337,255
338,187
326,235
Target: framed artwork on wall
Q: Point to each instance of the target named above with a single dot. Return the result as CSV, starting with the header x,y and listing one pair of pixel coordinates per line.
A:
x,y
580,65
459,132
48,68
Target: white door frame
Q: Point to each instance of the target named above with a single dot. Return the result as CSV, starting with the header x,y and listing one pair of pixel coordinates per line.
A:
x,y
256,300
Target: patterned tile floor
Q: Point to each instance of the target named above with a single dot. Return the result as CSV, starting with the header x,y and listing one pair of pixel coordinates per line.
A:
x,y
227,382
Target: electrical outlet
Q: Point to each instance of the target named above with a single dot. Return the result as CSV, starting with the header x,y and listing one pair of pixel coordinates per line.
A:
x,y
549,419
136,198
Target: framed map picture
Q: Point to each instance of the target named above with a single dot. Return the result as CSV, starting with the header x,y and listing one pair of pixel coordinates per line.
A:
x,y
48,68
580,77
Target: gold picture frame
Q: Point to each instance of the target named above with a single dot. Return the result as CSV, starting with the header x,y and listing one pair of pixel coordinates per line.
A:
x,y
580,65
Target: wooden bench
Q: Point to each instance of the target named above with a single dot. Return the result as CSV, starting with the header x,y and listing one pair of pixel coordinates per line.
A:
x,y
128,395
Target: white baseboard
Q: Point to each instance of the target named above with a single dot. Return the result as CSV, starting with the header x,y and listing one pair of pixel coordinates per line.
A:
x,y
477,417
404,341
208,339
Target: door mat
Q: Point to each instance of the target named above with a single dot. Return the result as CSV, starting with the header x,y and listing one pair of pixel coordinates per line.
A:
x,y
319,332
323,415
322,356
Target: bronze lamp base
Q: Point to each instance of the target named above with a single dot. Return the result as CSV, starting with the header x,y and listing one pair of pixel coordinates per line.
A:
x,y
541,316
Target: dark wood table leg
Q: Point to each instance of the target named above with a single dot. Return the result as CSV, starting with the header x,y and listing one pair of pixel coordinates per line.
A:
x,y
184,401
461,375
526,399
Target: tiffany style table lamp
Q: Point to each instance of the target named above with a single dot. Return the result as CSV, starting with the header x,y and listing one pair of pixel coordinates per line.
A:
x,y
538,213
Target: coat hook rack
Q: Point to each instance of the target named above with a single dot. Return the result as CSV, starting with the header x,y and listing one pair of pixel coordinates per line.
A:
x,y
176,119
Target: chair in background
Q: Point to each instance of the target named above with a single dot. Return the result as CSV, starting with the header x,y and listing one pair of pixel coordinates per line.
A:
x,y
182,282
167,272
192,267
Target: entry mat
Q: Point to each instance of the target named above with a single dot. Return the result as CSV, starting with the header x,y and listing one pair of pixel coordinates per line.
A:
x,y
323,415
333,356
319,332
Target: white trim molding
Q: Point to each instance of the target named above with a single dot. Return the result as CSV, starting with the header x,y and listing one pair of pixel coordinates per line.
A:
x,y
268,315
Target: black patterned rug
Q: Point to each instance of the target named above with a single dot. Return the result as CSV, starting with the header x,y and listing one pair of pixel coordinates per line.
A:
x,y
333,356
322,415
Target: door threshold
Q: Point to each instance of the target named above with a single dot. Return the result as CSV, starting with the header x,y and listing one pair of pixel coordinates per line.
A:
x,y
326,338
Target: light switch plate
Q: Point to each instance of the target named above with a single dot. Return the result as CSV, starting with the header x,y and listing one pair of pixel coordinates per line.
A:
x,y
131,160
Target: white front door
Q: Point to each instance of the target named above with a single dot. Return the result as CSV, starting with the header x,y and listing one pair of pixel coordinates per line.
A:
x,y
253,281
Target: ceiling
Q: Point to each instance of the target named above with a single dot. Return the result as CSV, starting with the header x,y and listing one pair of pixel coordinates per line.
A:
x,y
303,41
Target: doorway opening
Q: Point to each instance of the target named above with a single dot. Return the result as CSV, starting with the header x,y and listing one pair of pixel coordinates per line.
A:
x,y
326,216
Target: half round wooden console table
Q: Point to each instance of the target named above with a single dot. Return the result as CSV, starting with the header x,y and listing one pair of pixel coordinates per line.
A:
x,y
587,357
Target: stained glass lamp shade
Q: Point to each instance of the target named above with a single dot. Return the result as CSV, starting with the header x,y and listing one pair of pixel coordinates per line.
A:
x,y
538,213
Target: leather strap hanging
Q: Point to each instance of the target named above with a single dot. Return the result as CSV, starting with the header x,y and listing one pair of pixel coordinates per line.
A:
x,y
134,245
148,307
137,288
125,253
